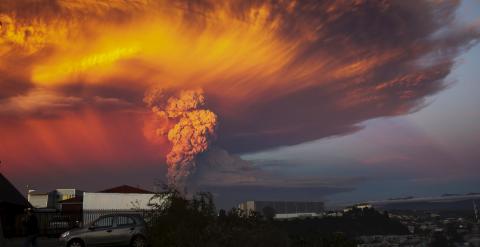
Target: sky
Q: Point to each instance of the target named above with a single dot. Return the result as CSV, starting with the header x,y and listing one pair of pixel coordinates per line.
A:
x,y
339,101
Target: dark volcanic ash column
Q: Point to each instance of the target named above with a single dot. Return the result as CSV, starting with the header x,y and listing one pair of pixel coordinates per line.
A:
x,y
191,132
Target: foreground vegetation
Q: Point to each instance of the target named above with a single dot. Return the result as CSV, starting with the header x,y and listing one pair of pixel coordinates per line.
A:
x,y
184,222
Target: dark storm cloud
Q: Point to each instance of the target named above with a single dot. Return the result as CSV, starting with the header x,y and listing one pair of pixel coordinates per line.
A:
x,y
417,39
233,180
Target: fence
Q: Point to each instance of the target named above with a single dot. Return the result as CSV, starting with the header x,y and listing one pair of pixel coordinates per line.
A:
x,y
91,215
55,223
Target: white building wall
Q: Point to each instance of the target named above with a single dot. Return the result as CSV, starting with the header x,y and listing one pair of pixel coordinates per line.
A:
x,y
115,201
38,201
98,204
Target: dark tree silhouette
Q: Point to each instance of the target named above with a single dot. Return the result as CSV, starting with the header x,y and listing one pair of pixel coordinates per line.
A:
x,y
269,213
182,222
187,221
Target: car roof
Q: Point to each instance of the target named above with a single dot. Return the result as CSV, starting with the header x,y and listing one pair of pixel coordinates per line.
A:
x,y
122,214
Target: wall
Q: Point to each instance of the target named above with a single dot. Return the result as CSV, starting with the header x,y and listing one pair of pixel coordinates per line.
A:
x,y
39,201
117,201
96,203
71,208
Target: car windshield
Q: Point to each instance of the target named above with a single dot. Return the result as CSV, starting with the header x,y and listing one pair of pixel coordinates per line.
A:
x,y
103,222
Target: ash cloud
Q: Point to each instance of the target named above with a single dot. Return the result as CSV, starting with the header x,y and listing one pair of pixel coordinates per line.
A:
x,y
191,133
382,59
275,73
233,180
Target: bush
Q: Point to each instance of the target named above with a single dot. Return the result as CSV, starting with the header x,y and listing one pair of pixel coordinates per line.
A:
x,y
181,222
178,221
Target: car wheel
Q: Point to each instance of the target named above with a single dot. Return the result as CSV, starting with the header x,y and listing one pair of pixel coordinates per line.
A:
x,y
75,243
139,242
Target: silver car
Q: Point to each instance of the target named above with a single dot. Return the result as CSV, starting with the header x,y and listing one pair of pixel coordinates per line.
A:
x,y
108,230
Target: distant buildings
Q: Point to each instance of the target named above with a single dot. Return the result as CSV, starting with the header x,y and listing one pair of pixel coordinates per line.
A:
x,y
358,206
118,198
285,209
51,200
71,206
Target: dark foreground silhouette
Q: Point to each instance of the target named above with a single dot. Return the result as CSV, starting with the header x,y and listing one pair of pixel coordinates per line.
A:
x,y
181,221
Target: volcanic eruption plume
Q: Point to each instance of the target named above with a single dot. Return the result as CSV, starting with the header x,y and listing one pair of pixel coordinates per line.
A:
x,y
192,133
277,73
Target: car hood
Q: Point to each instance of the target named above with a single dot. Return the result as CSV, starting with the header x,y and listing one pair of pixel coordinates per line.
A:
x,y
77,231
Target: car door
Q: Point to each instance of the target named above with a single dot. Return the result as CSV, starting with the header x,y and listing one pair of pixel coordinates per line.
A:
x,y
100,232
124,229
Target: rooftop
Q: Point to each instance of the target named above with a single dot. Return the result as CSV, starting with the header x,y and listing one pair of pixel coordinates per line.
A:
x,y
127,189
9,194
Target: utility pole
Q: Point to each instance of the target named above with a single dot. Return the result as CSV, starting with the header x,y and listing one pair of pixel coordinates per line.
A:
x,y
28,187
475,210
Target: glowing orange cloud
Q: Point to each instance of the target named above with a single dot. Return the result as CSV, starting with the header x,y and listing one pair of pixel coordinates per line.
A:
x,y
77,141
273,73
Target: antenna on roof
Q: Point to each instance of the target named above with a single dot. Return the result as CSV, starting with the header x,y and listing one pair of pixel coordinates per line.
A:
x,y
28,188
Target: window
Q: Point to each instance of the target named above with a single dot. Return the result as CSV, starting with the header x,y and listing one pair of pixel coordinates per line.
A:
x,y
125,221
104,222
